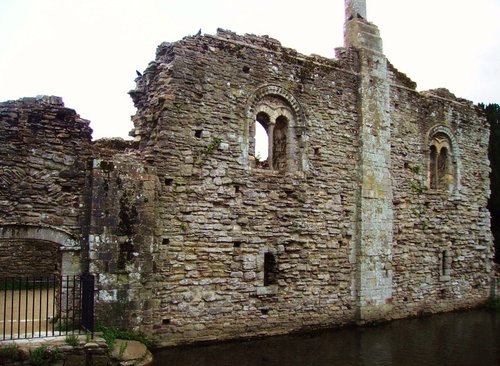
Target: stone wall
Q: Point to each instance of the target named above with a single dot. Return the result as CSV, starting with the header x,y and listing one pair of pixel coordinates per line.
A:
x,y
44,172
29,258
222,216
436,228
122,238
371,204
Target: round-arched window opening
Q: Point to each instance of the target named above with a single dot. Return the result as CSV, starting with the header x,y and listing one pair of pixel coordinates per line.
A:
x,y
441,171
261,142
261,138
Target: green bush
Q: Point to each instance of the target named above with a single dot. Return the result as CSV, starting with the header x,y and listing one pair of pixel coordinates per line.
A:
x,y
10,352
44,356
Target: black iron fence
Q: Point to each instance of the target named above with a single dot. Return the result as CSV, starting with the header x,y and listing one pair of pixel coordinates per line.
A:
x,y
32,307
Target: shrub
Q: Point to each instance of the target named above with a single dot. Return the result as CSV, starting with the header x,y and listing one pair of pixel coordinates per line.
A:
x,y
72,340
44,356
10,352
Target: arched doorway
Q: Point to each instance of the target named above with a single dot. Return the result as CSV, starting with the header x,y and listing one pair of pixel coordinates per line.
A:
x,y
41,290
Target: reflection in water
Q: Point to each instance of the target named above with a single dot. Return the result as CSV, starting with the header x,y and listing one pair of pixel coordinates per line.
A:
x,y
458,339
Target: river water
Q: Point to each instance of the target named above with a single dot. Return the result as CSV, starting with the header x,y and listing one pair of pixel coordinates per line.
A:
x,y
457,339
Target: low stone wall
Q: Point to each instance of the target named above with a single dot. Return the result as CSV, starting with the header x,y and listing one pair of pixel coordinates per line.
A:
x,y
58,352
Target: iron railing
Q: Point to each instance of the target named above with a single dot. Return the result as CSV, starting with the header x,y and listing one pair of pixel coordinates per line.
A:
x,y
32,307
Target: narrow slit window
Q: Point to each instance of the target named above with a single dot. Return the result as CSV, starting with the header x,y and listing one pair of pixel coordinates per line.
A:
x,y
432,167
445,263
270,269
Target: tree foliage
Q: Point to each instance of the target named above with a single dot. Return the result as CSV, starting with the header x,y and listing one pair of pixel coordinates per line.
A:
x,y
493,116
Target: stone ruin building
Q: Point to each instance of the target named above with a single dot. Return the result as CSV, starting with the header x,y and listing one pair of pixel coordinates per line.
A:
x,y
371,204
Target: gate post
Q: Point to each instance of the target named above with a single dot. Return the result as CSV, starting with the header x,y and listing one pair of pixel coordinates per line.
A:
x,y
87,302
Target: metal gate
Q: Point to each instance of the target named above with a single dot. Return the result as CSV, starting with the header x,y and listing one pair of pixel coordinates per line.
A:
x,y
32,307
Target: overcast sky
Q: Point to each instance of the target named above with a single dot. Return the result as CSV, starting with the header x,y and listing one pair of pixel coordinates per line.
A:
x,y
87,51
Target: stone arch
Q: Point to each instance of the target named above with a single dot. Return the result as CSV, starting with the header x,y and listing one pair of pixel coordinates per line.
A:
x,y
279,105
68,246
284,94
443,164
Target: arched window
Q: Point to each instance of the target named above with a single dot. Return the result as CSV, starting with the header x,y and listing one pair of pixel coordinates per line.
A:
x,y
261,140
275,119
278,116
441,168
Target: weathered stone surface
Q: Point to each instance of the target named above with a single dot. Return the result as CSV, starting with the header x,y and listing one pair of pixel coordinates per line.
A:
x,y
43,179
371,204
131,353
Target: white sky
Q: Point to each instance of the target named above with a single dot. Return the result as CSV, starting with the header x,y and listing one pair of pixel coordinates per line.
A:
x,y
87,51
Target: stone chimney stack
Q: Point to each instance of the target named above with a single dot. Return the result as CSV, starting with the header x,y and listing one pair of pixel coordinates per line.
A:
x,y
374,241
358,32
355,9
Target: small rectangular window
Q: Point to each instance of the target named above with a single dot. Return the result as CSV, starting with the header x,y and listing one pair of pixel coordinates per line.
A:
x,y
270,269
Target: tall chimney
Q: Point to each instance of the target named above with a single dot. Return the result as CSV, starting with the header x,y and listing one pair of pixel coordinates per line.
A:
x,y
355,9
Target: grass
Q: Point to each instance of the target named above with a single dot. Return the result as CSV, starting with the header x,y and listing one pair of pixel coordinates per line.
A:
x,y
10,352
44,356
110,335
72,340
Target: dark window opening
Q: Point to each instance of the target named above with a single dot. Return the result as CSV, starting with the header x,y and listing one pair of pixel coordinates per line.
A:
x,y
432,167
165,321
169,181
237,244
165,241
198,133
270,269
246,69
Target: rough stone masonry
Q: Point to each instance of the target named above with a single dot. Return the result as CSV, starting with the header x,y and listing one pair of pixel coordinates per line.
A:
x,y
370,204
